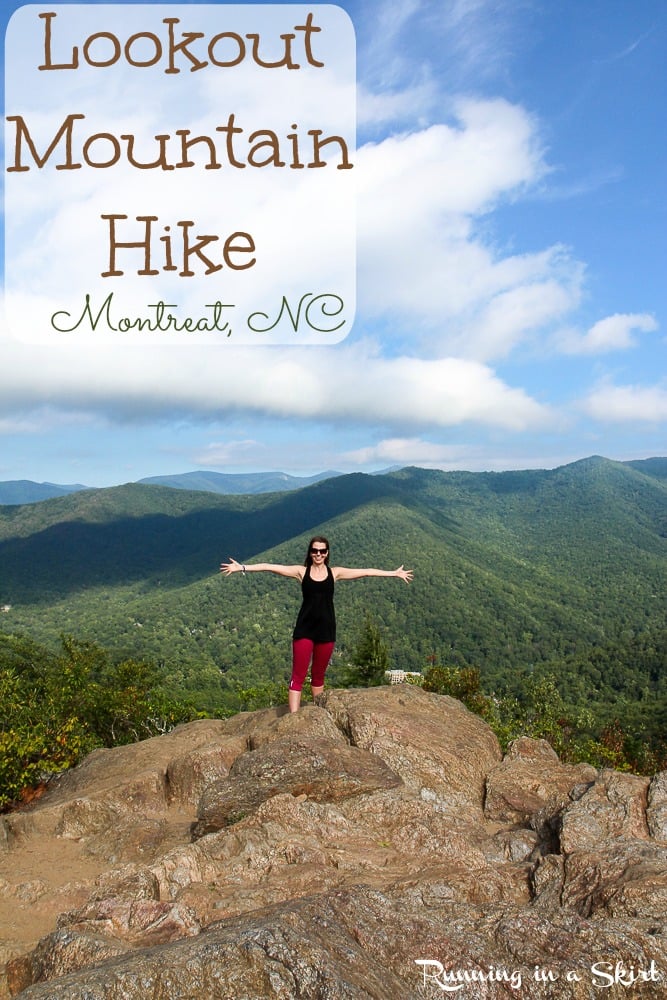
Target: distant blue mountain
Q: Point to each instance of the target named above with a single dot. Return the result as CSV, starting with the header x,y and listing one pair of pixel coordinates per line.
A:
x,y
19,491
237,483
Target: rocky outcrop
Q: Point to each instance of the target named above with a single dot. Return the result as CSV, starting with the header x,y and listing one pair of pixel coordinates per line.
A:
x,y
377,845
321,769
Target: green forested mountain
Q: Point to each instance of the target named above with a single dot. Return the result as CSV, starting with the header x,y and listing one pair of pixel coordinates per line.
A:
x,y
515,573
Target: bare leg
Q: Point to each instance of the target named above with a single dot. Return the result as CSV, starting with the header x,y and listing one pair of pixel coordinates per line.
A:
x,y
316,691
294,700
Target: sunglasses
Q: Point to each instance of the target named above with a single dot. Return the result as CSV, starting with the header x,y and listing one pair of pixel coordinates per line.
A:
x,y
318,552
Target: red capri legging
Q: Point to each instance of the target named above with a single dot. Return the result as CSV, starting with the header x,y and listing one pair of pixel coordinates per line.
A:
x,y
303,652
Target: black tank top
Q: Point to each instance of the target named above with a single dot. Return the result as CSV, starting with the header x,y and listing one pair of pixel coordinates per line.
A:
x,y
316,619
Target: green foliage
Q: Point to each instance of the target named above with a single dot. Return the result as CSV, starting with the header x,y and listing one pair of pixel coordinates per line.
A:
x,y
35,737
541,712
463,683
54,709
370,659
249,699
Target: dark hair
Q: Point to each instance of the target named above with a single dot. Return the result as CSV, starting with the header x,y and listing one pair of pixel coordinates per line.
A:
x,y
308,561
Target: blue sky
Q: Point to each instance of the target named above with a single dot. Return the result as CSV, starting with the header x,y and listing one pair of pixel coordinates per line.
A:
x,y
511,260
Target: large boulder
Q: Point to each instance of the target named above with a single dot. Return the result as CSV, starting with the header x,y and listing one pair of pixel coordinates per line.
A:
x,y
614,807
531,779
324,770
440,749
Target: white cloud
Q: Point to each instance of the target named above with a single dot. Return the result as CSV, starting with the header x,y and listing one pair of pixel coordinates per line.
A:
x,y
511,315
345,385
385,61
407,105
407,451
472,456
490,149
627,404
21,425
423,258
231,453
614,333
454,303
479,34
462,43
37,419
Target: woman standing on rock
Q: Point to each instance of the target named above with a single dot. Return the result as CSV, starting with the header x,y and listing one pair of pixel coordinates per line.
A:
x,y
314,634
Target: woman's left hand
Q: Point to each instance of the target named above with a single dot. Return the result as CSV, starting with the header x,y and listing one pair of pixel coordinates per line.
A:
x,y
404,574
231,567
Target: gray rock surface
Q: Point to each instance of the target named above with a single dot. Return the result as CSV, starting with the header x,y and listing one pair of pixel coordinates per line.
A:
x,y
376,845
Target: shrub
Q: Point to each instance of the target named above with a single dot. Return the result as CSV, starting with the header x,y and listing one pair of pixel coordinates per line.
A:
x,y
56,709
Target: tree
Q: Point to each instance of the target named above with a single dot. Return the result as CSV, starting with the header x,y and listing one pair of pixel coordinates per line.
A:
x,y
463,683
370,659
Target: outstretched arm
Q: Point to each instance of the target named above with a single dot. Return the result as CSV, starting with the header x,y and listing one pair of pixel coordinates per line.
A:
x,y
236,567
342,573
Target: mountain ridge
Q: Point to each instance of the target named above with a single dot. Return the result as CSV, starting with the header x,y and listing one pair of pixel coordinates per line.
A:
x,y
21,491
26,491
237,483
